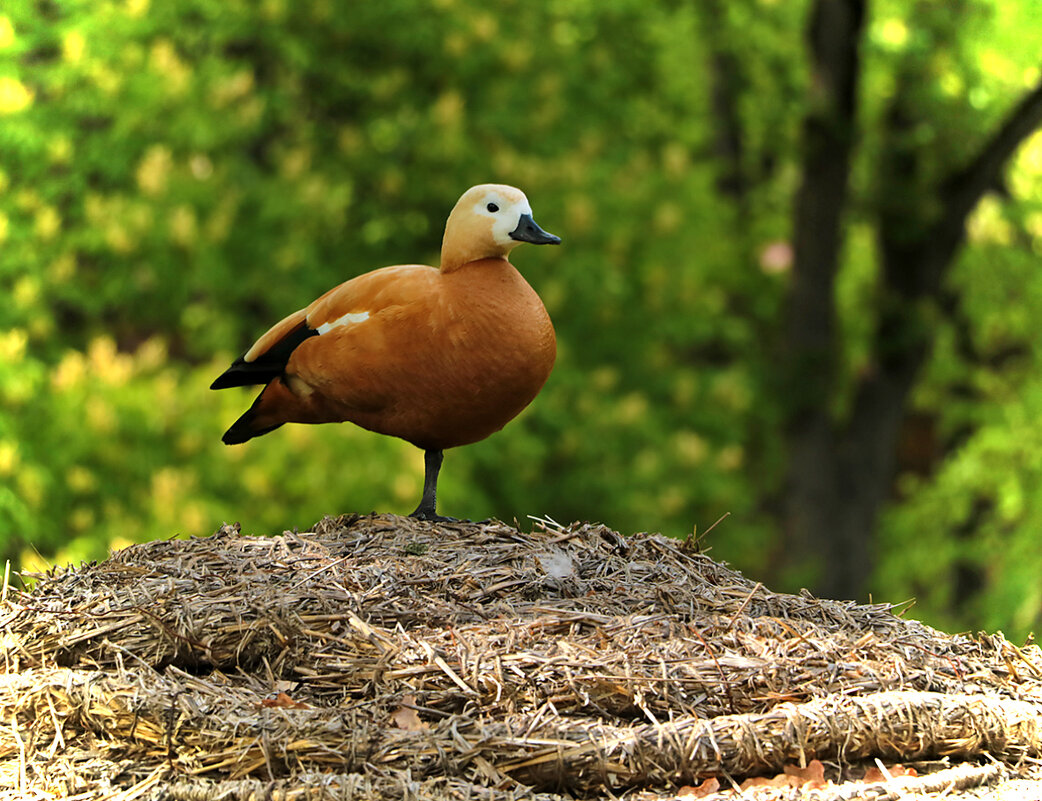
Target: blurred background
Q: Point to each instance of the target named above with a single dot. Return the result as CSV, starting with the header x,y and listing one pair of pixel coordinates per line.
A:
x,y
799,283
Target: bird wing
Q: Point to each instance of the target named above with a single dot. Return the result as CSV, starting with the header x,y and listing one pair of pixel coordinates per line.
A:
x,y
351,302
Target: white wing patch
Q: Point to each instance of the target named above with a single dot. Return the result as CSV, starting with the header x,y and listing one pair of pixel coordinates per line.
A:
x,y
345,319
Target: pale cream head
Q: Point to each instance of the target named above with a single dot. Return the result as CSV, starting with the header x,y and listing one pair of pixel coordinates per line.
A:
x,y
485,224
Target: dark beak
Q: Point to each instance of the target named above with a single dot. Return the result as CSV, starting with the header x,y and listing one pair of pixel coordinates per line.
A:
x,y
528,231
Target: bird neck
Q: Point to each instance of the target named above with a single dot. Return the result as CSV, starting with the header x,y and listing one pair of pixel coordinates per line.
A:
x,y
466,240
455,255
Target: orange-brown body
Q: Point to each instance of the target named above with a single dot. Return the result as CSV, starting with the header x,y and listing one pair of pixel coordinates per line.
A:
x,y
444,358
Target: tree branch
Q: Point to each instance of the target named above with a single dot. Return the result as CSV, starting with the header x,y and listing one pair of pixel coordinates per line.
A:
x,y
963,189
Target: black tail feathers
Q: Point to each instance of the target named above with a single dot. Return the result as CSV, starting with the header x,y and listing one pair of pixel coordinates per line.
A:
x,y
245,428
242,431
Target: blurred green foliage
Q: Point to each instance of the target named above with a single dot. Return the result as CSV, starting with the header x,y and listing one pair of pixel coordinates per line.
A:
x,y
175,176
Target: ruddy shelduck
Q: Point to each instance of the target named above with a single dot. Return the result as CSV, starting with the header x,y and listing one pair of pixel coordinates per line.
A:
x,y
437,356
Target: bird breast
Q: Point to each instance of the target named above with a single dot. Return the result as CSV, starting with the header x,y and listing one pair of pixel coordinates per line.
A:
x,y
494,348
449,367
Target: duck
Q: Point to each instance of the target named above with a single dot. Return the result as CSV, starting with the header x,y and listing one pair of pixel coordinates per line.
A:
x,y
437,356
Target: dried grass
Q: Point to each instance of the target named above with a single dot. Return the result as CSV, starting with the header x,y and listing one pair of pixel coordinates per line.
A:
x,y
381,657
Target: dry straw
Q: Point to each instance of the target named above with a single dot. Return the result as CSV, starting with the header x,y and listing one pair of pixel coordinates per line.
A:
x,y
381,657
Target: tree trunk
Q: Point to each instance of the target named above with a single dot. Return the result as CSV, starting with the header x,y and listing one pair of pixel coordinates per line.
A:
x,y
812,500
840,472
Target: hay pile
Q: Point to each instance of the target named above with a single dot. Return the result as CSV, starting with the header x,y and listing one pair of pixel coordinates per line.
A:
x,y
381,657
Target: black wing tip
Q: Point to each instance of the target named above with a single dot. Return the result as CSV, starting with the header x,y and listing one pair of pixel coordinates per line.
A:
x,y
265,367
238,378
244,374
232,377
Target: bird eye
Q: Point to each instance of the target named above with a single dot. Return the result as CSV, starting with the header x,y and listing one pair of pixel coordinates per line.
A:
x,y
492,207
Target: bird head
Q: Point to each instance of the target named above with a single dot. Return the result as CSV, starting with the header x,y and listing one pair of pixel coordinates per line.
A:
x,y
489,221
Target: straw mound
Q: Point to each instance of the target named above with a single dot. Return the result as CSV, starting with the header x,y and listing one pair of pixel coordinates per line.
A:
x,y
382,657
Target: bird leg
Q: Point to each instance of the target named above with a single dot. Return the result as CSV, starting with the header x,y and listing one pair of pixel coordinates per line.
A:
x,y
431,467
